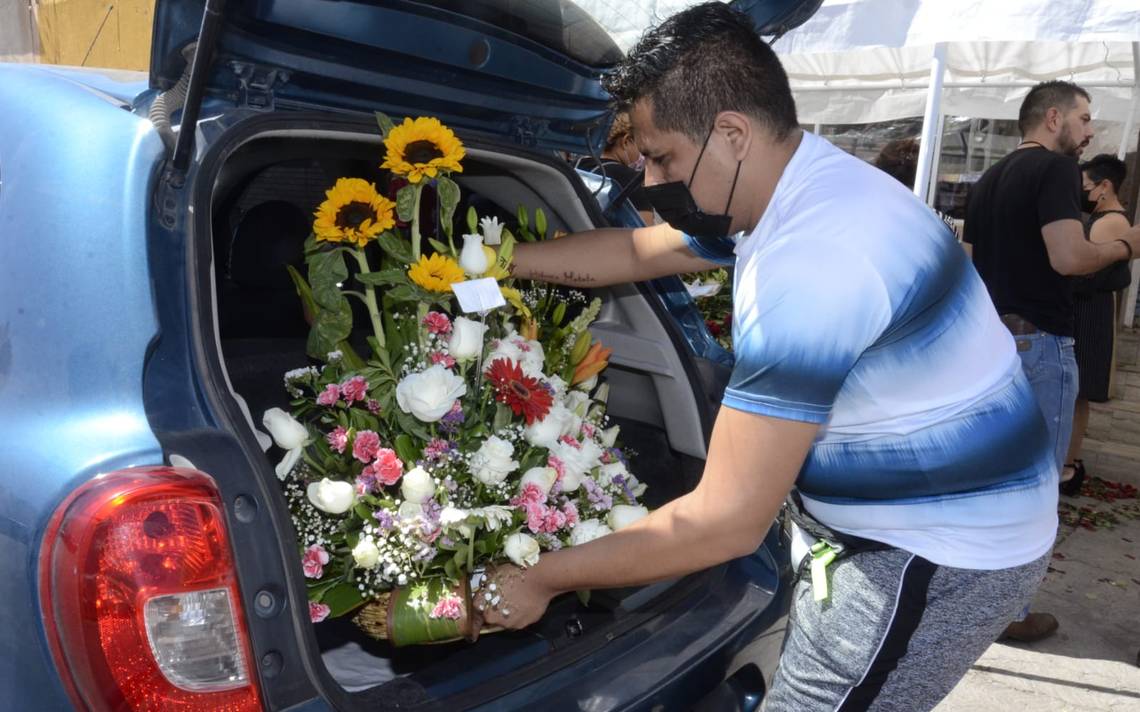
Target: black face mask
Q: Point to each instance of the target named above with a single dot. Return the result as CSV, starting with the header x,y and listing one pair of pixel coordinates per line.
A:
x,y
1086,205
675,204
1089,206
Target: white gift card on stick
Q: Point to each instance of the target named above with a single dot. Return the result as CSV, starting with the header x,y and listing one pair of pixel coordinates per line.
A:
x,y
478,295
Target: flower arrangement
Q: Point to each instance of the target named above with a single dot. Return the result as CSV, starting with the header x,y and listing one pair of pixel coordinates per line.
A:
x,y
713,294
463,439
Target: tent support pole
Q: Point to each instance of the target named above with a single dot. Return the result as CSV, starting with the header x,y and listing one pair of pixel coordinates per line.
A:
x,y
930,121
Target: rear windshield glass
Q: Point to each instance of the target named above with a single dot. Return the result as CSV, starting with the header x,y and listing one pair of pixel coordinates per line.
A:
x,y
558,24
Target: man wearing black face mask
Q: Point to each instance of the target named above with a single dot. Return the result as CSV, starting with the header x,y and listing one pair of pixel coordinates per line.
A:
x,y
873,382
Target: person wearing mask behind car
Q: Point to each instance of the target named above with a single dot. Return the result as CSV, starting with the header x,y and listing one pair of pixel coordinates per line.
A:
x,y
621,162
1094,301
873,382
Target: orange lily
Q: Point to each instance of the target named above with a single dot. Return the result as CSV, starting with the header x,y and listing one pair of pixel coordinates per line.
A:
x,y
597,358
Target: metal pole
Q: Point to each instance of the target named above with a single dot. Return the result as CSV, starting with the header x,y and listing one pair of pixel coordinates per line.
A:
x,y
937,161
930,121
954,84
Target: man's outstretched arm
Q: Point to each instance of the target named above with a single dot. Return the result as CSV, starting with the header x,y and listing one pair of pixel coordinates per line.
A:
x,y
597,258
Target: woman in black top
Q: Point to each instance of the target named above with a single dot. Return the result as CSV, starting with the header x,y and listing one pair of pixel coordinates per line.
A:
x,y
1094,300
621,162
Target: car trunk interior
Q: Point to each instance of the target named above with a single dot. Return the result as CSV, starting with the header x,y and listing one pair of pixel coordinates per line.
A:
x,y
264,196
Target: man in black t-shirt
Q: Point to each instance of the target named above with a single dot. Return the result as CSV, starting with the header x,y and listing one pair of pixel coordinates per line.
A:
x,y
1023,225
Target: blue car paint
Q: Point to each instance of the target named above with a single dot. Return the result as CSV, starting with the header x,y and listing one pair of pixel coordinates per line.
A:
x,y
90,278
76,319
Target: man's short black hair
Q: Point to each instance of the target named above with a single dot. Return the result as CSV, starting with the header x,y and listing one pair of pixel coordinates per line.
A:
x,y
700,62
1105,166
1045,96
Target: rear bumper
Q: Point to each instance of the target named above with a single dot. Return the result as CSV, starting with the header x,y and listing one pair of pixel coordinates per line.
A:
x,y
680,657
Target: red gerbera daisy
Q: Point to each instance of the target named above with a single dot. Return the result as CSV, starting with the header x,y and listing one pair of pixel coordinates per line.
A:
x,y
524,394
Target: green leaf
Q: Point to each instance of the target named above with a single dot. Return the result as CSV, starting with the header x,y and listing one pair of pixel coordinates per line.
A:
x,y
584,597
448,193
395,246
407,449
522,218
333,326
326,271
406,202
502,417
439,247
403,293
342,598
410,425
385,124
540,223
311,244
559,314
394,275
361,510
472,220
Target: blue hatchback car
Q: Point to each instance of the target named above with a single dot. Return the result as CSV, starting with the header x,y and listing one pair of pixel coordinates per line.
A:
x,y
149,559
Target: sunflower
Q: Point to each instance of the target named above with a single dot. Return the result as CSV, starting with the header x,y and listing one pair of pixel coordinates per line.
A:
x,y
422,147
436,273
353,212
525,395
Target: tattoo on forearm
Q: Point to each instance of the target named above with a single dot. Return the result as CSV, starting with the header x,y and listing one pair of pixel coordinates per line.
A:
x,y
569,277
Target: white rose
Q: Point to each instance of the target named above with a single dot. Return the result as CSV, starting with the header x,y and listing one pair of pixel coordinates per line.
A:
x,y
366,554
543,477
492,462
588,384
522,549
289,434
588,530
545,432
466,341
578,402
606,473
332,497
532,358
429,394
505,349
410,510
417,486
577,460
622,515
571,481
492,230
610,436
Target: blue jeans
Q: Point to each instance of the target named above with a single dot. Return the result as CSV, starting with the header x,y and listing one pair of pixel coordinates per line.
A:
x,y
1051,367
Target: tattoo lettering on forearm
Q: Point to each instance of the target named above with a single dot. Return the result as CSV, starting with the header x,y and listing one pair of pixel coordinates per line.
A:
x,y
569,277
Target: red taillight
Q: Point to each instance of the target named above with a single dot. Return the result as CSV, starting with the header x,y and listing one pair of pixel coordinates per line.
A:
x,y
140,598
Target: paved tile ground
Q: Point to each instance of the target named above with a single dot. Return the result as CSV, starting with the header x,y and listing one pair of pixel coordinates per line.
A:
x,y
1093,587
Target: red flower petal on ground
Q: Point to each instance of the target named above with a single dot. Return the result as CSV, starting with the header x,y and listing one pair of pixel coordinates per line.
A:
x,y
524,394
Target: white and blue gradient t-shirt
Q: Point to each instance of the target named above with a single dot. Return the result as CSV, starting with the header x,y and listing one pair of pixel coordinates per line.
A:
x,y
855,308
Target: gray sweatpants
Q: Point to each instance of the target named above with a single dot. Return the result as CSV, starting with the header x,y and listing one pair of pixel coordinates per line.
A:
x,y
896,633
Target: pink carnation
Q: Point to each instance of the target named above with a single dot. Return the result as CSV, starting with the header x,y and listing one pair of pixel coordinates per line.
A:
x,y
530,494
440,357
314,560
338,439
558,465
330,395
366,446
553,520
318,611
588,430
448,607
571,513
354,389
373,406
388,468
572,442
437,323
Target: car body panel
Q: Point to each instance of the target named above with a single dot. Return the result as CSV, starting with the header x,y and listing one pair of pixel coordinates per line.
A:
x,y
76,320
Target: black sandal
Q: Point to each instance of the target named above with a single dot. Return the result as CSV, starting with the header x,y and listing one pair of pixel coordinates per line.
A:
x,y
1072,486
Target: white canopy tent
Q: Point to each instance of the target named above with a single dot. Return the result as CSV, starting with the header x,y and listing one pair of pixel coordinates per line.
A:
x,y
863,61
